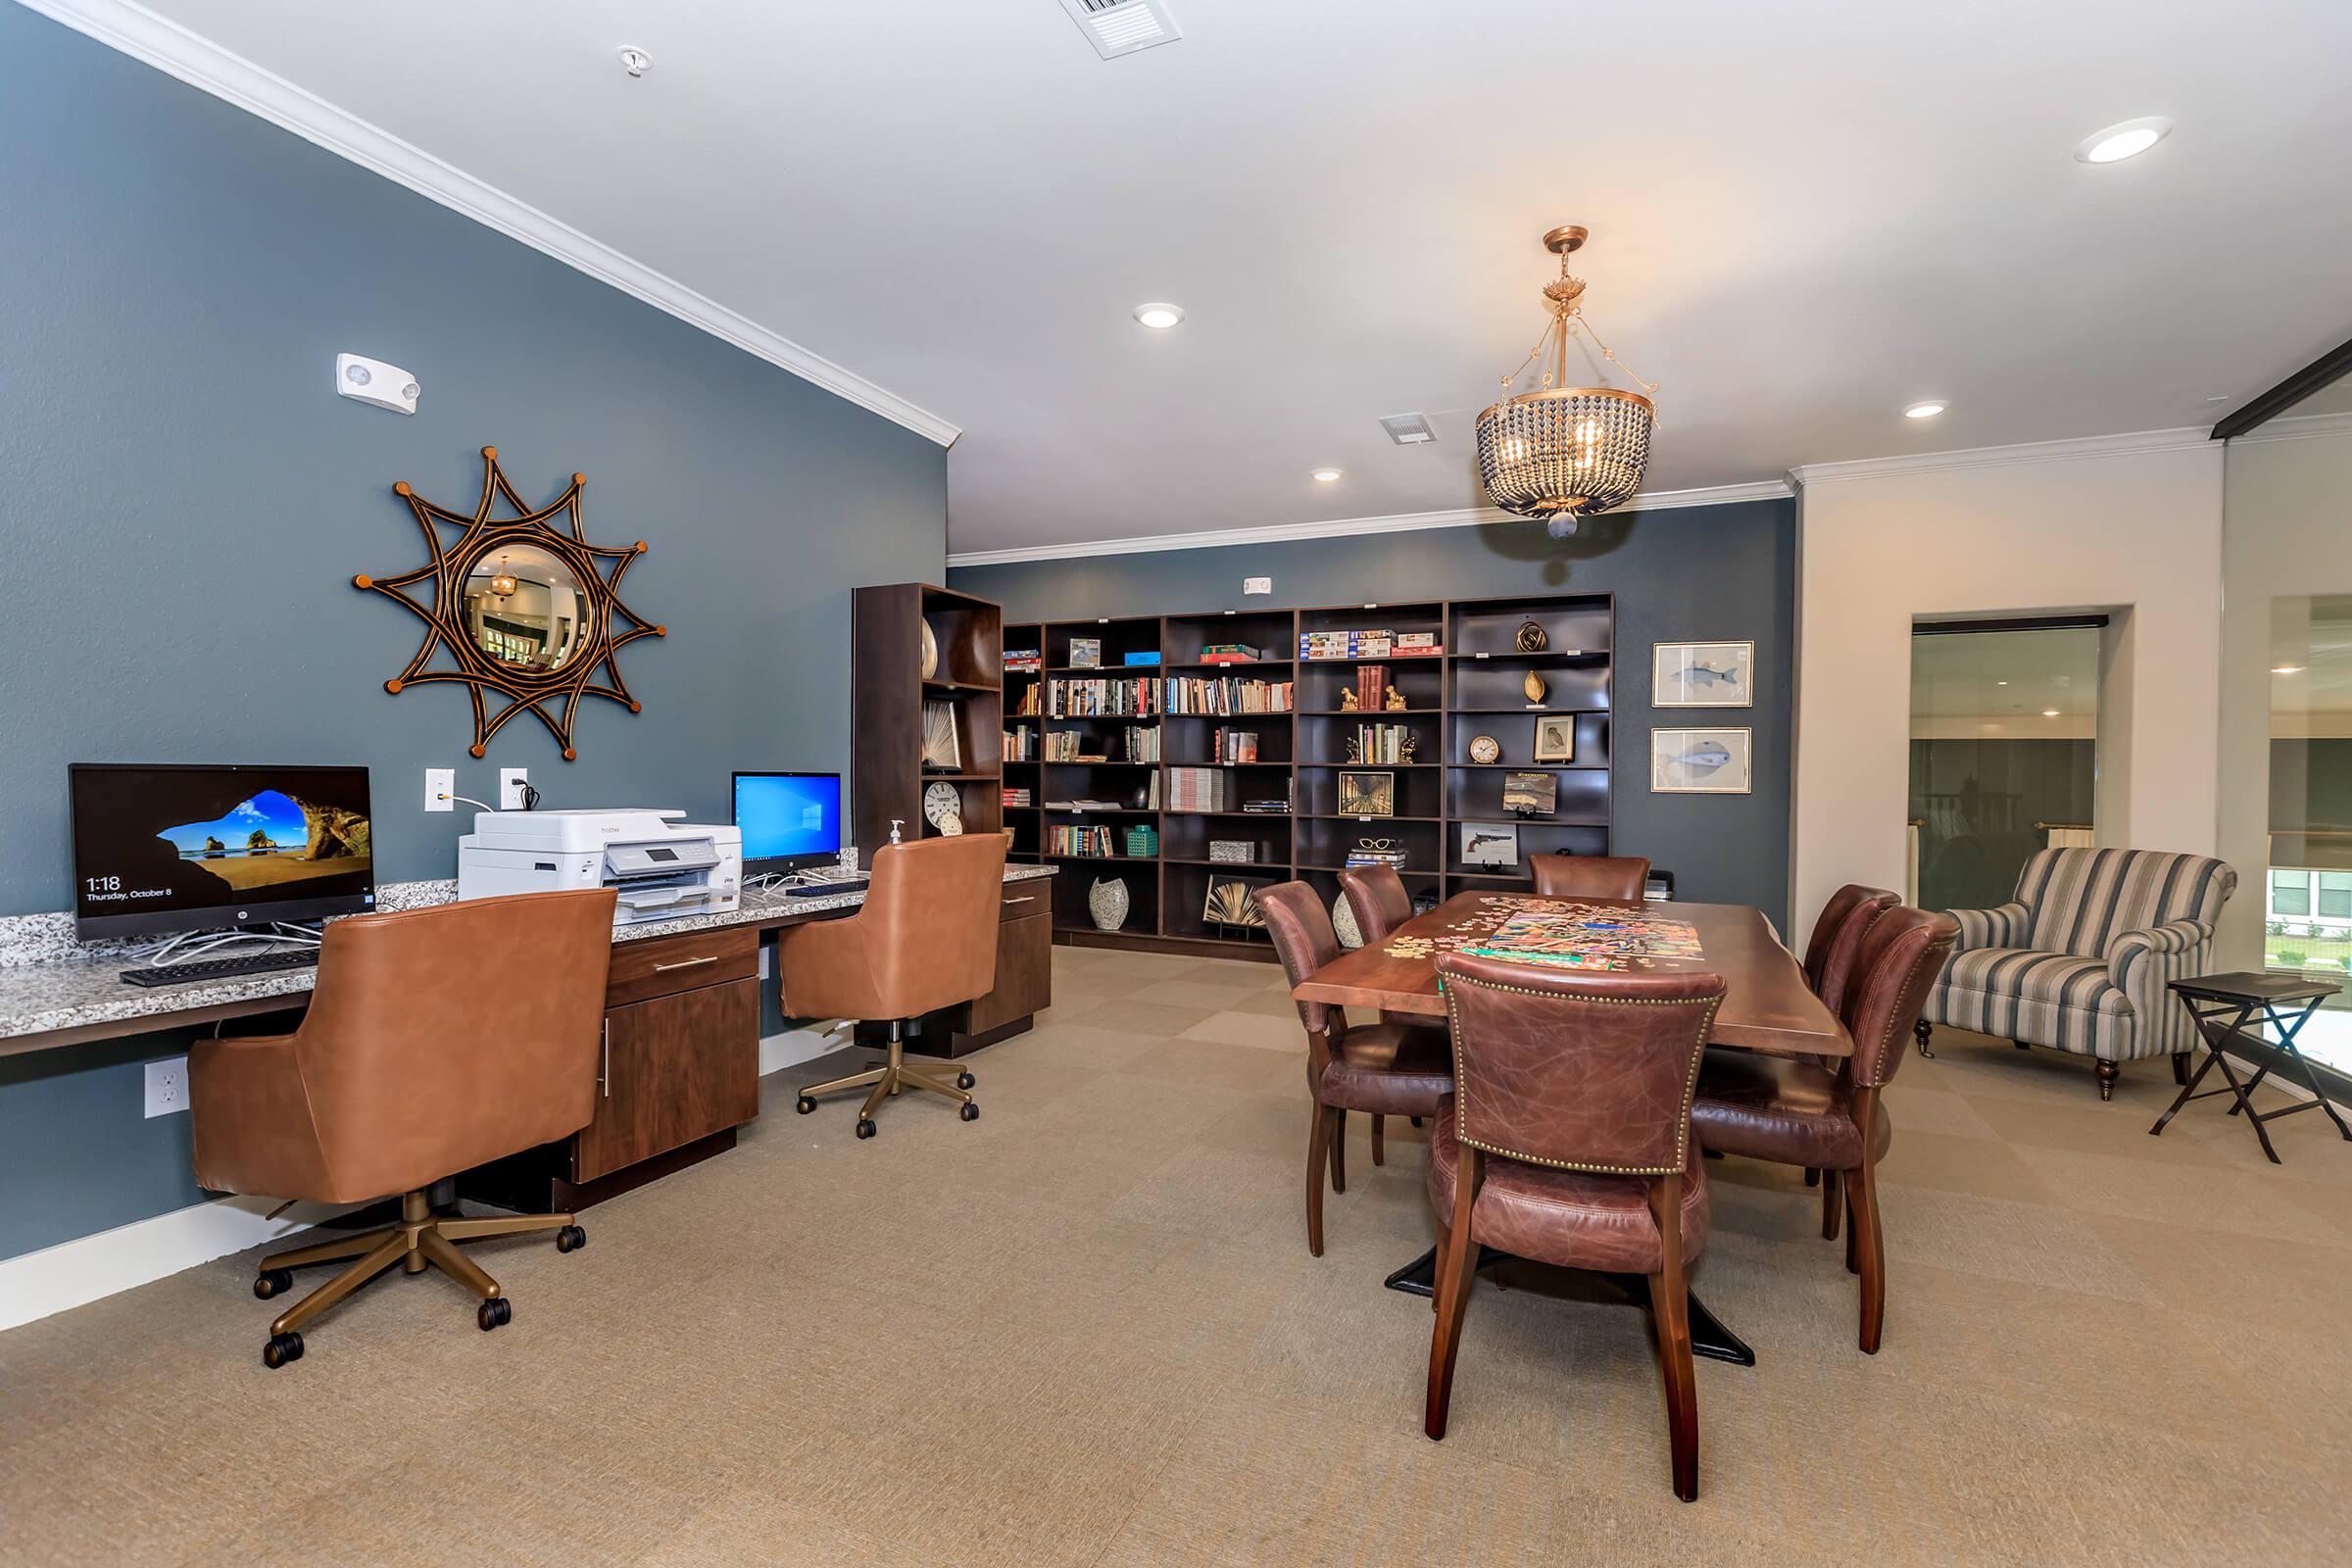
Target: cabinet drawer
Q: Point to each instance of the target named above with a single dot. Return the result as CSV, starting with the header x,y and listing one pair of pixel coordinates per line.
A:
x,y
662,966
1021,899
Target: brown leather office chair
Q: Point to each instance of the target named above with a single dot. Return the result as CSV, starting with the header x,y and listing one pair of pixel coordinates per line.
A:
x,y
1837,939
1384,1069
1800,1113
1567,1140
926,938
1376,897
436,1039
1590,876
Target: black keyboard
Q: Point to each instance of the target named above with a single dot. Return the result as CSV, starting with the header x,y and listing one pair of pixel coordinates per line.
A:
x,y
179,974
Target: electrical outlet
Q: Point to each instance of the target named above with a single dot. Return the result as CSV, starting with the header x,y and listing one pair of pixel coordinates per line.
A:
x,y
511,783
167,1087
440,784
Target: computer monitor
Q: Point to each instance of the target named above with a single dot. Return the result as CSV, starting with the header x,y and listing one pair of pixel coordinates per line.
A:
x,y
788,820
165,847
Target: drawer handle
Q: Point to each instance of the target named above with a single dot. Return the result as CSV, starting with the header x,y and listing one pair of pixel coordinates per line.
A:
x,y
685,963
1010,903
603,1078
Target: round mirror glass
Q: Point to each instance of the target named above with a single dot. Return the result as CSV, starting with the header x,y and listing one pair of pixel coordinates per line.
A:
x,y
524,608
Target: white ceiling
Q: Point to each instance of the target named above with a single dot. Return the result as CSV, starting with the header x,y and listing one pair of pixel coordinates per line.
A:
x,y
1805,216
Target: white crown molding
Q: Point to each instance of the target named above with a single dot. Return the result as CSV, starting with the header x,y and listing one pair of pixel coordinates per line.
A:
x,y
1348,527
2304,427
141,33
2130,444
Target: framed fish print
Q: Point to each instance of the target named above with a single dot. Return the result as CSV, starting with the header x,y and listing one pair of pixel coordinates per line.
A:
x,y
1702,676
1701,762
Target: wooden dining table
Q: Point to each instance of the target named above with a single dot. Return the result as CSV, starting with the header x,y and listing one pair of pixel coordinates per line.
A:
x,y
1767,1005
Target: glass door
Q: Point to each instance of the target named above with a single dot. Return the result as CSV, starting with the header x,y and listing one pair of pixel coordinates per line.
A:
x,y
2307,886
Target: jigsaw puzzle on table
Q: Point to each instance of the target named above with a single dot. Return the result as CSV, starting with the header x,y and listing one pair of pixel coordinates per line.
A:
x,y
1587,937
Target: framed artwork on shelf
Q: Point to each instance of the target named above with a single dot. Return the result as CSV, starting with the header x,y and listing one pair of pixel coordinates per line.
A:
x,y
1367,794
1086,653
1702,676
1555,738
1495,844
941,751
1701,762
1531,794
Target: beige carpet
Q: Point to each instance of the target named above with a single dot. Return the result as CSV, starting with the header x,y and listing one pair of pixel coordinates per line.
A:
x,y
1085,1330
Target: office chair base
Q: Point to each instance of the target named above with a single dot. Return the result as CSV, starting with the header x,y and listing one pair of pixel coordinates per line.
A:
x,y
421,1241
886,1080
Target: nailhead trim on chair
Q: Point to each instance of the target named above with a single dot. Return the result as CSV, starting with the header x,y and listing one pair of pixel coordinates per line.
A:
x,y
1682,1142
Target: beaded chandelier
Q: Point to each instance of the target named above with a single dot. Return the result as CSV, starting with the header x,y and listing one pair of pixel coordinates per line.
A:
x,y
1562,452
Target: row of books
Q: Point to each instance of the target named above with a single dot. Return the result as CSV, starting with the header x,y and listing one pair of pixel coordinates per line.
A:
x,y
1088,843
1228,694
1381,743
1137,744
1314,645
1235,745
1028,707
1020,744
1197,789
1083,698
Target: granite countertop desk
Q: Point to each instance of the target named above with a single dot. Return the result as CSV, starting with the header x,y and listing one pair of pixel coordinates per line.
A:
x,y
53,992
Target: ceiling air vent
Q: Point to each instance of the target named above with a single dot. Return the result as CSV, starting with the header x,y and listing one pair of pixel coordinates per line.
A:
x,y
1119,28
1408,429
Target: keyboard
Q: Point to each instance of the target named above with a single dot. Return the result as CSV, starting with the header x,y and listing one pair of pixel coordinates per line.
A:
x,y
827,890
181,974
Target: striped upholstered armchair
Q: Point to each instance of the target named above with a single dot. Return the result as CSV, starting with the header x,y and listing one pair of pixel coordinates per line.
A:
x,y
2080,958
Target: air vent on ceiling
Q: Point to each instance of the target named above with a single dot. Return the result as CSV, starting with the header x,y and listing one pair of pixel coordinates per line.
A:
x,y
1408,429
1122,26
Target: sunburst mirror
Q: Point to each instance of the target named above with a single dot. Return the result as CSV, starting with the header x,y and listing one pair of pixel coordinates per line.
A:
x,y
522,607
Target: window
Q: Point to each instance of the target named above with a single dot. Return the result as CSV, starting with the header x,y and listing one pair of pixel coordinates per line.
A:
x,y
2335,895
2291,892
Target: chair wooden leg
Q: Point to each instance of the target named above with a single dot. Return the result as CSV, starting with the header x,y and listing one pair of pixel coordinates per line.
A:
x,y
2109,1072
1923,1031
1853,1260
1455,1267
1832,1203
1812,1176
1318,1159
1670,1311
1870,1246
1380,1147
1338,1150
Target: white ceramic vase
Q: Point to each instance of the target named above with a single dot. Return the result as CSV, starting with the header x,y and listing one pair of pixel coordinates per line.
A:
x,y
1106,901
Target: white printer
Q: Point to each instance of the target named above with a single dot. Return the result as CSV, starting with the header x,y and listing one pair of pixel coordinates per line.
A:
x,y
664,867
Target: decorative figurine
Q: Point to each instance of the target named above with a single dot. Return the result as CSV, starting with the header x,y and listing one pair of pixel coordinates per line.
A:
x,y
1348,702
1534,686
1530,638
1412,744
1396,701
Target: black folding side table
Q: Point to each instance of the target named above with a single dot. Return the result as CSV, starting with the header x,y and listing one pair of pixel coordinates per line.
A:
x,y
2224,1005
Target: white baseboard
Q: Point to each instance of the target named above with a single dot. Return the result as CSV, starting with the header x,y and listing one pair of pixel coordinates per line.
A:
x,y
89,1267
796,1045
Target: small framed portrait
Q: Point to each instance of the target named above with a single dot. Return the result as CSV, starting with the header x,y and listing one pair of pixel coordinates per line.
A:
x,y
1555,738
1363,794
1702,676
1701,762
1490,844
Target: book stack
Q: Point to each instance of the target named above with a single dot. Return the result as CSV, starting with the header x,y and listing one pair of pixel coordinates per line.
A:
x,y
1029,659
1231,654
1268,807
1236,745
1083,698
1338,645
1227,694
1086,843
1417,645
1364,856
1017,796
1380,743
1197,789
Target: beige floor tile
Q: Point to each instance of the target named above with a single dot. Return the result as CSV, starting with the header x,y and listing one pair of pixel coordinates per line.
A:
x,y
1280,1031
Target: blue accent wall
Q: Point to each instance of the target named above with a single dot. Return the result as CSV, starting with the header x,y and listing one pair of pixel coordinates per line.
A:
x,y
183,502
1696,573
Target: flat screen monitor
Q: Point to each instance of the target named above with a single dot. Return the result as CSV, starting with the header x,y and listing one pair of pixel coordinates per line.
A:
x,y
165,847
788,820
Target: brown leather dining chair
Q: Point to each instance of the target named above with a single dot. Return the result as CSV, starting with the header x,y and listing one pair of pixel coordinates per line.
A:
x,y
1376,897
1384,1069
1837,933
436,1039
926,938
1800,1113
1567,1141
1590,876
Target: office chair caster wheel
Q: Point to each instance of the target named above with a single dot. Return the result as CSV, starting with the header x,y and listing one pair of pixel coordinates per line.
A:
x,y
865,1126
496,1312
273,1282
281,1348
970,1113
964,1080
805,1106
570,1239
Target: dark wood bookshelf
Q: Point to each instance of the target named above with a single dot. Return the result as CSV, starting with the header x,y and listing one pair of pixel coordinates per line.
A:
x,y
1451,697
888,694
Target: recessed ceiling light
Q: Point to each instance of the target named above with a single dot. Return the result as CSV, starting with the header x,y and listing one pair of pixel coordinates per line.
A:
x,y
1327,476
2118,142
635,61
2049,712
2286,669
2000,683
1159,316
1924,410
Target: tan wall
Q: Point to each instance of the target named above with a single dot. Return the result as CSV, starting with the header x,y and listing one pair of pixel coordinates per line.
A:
x,y
2287,530
2130,526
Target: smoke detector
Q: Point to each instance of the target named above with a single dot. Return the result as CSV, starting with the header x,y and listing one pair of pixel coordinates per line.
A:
x,y
1119,28
1408,429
